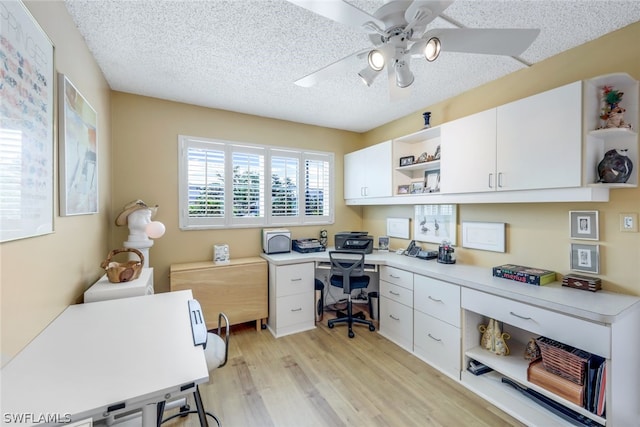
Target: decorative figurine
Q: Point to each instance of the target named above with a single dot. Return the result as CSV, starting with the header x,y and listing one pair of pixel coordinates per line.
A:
x,y
532,351
612,113
493,339
427,117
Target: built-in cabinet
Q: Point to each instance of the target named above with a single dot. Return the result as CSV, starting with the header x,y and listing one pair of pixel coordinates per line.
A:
x,y
367,172
543,148
291,298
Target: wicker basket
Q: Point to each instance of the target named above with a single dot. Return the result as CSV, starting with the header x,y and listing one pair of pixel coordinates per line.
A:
x,y
563,360
118,272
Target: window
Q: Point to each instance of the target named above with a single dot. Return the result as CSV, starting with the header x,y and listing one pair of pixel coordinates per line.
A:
x,y
229,184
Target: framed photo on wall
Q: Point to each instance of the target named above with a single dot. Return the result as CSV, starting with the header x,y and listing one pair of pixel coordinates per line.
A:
x,y
435,223
585,258
78,152
584,225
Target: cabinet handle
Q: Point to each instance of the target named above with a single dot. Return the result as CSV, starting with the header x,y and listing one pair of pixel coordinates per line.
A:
x,y
395,277
393,317
500,179
518,316
296,309
490,180
394,293
434,299
297,280
434,338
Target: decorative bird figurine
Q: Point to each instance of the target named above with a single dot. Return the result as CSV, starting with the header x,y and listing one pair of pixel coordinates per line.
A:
x,y
615,167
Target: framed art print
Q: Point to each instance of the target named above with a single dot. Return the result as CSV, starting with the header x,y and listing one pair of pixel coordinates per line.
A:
x,y
435,223
78,152
585,258
584,225
27,122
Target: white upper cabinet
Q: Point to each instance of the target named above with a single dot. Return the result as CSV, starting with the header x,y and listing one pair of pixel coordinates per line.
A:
x,y
367,172
539,141
469,153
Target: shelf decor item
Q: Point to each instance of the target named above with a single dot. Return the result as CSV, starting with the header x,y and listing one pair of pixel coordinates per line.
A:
x,y
119,272
493,339
427,118
615,167
528,275
406,161
564,360
612,112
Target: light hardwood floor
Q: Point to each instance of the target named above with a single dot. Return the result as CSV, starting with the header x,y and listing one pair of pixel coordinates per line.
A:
x,y
323,378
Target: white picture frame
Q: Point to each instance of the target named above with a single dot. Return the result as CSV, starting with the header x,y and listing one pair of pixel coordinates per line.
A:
x,y
585,258
435,223
583,225
487,236
398,227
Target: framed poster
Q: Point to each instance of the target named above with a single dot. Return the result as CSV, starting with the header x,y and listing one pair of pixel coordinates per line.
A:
x,y
585,258
26,125
435,223
584,225
488,236
78,152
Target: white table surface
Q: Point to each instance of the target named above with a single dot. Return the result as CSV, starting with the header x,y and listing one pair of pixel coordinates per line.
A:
x,y
133,350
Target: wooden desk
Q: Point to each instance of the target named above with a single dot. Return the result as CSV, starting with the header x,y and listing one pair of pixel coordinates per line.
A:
x,y
106,358
238,288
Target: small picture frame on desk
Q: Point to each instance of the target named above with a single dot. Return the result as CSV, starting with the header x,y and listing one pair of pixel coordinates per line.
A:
x,y
406,161
383,243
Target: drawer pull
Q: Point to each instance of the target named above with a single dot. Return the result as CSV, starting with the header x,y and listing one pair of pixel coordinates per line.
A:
x,y
434,299
393,317
296,309
434,338
518,316
394,293
395,277
297,280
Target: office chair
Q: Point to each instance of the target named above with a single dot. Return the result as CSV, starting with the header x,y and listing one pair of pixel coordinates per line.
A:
x,y
216,353
347,272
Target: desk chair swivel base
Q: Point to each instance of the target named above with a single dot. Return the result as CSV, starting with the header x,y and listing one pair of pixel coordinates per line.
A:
x,y
349,318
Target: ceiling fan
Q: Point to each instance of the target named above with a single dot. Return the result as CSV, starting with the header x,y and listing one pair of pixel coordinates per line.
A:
x,y
398,33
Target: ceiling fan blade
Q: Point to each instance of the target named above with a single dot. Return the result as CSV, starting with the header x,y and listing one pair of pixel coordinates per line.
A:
x,y
339,11
396,93
495,41
432,8
340,66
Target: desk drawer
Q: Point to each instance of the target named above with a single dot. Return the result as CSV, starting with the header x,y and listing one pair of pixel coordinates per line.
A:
x,y
397,277
293,309
294,279
438,343
396,293
583,334
396,322
438,299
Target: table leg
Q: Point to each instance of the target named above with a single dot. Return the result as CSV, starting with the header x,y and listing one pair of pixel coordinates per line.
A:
x,y
150,415
200,408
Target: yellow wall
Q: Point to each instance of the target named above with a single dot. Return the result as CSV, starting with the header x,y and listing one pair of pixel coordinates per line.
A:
x,y
145,138
41,276
137,145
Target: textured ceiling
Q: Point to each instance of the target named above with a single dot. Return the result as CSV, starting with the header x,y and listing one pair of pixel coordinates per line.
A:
x,y
244,55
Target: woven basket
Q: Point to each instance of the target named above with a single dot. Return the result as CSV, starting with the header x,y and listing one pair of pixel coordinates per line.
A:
x,y
118,272
563,360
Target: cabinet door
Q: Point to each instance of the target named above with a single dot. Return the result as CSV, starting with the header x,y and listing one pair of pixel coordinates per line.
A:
x,y
367,172
539,140
469,154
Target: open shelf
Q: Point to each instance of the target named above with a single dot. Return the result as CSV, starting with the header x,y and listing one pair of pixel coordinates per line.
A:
x,y
424,166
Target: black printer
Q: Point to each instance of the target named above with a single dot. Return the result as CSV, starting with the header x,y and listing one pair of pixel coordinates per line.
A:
x,y
354,241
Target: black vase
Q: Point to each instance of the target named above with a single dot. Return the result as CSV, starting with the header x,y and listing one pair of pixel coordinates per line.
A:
x,y
427,117
615,167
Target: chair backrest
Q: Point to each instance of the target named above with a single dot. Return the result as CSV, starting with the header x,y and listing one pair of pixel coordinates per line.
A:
x,y
347,264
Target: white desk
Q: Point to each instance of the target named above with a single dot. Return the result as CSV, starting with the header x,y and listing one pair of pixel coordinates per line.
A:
x,y
127,353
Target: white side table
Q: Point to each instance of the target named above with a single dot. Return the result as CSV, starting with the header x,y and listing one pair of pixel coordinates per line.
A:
x,y
103,289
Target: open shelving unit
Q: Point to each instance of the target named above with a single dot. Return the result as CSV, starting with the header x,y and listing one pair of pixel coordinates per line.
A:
x,y
424,141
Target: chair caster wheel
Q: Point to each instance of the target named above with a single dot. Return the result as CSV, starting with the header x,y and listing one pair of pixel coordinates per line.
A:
x,y
351,334
330,325
372,328
360,316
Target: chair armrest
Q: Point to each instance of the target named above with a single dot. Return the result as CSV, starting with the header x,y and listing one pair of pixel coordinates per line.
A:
x,y
226,335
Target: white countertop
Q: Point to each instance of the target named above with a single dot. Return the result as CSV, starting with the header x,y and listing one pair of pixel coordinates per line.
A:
x,y
602,306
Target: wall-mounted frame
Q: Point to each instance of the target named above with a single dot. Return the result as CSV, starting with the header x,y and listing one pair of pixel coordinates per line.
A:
x,y
435,223
432,181
488,236
26,153
584,225
78,148
398,227
406,161
585,258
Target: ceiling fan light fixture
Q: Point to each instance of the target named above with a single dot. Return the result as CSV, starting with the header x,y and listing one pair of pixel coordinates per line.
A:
x,y
404,76
376,60
432,49
368,75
